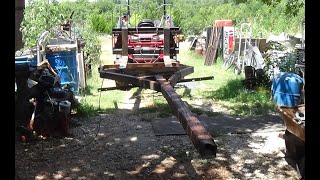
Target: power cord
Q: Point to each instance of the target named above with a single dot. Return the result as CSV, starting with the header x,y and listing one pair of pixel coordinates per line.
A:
x,y
98,127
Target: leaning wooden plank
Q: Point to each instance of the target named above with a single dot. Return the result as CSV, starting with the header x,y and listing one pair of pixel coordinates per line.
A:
x,y
215,46
212,49
209,47
200,138
288,116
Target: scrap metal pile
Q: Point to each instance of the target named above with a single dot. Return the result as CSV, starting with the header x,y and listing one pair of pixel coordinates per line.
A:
x,y
45,93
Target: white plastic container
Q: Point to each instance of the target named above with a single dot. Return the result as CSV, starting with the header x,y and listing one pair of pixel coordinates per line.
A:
x,y
65,106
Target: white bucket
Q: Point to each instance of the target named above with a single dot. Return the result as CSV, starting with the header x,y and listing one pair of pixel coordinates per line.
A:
x,y
65,106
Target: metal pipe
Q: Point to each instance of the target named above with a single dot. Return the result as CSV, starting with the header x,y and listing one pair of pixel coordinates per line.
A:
x,y
40,44
128,13
200,138
164,9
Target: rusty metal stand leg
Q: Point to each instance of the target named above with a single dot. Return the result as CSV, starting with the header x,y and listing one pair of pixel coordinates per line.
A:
x,y
200,138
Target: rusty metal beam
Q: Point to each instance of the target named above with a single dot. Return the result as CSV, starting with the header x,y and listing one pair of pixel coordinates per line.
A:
x,y
177,76
200,138
166,51
134,30
133,80
150,69
114,88
197,79
124,42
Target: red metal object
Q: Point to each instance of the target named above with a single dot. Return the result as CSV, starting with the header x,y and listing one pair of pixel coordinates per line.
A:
x,y
230,41
221,23
146,43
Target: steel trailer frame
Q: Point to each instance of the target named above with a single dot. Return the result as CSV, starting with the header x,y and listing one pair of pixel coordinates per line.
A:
x,y
160,78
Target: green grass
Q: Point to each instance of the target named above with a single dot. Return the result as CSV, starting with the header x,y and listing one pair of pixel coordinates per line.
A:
x,y
94,101
242,101
226,89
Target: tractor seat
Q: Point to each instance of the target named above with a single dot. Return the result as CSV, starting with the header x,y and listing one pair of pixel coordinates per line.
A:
x,y
146,23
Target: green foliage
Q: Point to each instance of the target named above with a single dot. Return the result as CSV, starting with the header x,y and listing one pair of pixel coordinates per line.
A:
x,y
194,16
99,23
93,46
231,90
39,16
241,101
87,109
225,89
292,7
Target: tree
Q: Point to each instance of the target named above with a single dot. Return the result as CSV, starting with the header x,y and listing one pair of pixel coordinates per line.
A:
x,y
292,6
39,16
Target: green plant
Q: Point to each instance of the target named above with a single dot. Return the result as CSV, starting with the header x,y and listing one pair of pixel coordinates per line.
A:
x,y
92,47
100,24
241,101
39,16
94,101
87,109
42,15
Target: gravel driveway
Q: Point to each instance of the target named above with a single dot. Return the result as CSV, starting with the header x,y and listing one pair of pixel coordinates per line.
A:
x,y
124,146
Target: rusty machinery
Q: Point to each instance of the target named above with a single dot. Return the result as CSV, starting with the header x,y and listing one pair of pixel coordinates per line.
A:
x,y
160,72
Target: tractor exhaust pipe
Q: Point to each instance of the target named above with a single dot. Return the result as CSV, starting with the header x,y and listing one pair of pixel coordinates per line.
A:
x,y
128,13
164,8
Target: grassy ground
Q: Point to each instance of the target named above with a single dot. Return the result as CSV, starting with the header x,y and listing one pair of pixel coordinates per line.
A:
x,y
226,89
92,100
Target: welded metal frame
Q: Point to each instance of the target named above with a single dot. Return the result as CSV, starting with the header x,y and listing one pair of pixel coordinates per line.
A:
x,y
160,78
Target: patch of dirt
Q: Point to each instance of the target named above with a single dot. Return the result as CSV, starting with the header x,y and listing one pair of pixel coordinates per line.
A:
x,y
123,146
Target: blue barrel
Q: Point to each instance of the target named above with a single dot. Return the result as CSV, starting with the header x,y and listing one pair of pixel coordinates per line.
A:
x,y
287,89
65,64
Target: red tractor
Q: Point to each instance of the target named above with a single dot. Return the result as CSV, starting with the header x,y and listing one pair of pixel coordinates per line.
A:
x,y
150,41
